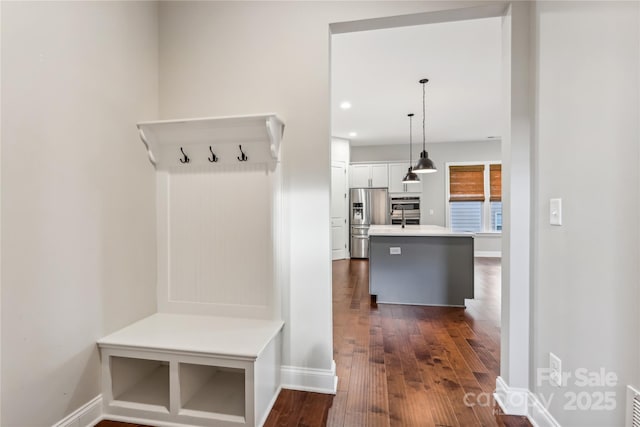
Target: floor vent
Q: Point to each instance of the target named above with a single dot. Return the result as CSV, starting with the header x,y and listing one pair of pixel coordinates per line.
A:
x,y
633,407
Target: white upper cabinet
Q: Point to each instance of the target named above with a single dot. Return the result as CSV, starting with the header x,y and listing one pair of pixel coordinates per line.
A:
x,y
379,175
360,175
369,175
397,171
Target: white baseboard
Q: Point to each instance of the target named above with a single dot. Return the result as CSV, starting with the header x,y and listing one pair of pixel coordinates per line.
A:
x,y
87,415
487,254
144,421
520,401
512,401
538,415
309,379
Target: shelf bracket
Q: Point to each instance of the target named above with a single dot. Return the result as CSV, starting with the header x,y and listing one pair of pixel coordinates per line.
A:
x,y
146,144
275,129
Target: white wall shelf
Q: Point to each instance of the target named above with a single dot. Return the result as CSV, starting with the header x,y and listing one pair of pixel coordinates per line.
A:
x,y
259,136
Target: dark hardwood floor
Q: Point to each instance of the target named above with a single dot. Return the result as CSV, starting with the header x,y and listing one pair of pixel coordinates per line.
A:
x,y
405,365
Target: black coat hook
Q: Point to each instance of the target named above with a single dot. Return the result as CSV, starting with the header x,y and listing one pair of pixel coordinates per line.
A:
x,y
213,157
243,157
186,158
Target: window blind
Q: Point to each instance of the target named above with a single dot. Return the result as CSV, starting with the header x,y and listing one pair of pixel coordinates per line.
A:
x,y
466,216
495,183
466,183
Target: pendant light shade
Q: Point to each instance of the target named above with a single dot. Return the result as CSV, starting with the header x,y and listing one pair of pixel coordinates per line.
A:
x,y
410,177
425,164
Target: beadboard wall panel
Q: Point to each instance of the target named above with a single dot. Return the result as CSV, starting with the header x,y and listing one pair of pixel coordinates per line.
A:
x,y
217,225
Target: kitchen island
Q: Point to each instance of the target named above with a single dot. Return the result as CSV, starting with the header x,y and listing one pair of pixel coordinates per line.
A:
x,y
420,265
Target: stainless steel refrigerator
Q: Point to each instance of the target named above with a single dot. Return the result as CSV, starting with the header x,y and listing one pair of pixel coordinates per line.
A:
x,y
367,206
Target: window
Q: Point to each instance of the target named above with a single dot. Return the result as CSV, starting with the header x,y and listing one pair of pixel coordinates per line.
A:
x,y
495,196
474,197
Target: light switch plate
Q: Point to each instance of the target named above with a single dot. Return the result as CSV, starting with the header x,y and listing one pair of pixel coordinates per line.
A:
x,y
395,251
555,211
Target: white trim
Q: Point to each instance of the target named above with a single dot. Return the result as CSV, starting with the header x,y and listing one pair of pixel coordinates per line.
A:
x,y
87,415
487,254
538,415
310,379
134,420
375,162
520,401
512,401
144,421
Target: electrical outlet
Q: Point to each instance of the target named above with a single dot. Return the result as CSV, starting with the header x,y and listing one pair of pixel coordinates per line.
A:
x,y
555,367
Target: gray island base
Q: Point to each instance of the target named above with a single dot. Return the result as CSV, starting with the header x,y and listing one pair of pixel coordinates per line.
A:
x,y
420,265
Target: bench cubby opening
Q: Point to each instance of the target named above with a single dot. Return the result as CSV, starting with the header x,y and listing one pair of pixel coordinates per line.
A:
x,y
140,382
212,391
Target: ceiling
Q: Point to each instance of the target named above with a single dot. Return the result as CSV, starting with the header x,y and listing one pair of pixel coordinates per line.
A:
x,y
377,72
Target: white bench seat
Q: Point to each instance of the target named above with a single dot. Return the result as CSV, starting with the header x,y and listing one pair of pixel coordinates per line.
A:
x,y
176,369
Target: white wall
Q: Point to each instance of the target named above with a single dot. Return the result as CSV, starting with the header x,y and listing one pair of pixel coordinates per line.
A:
x,y
226,58
78,197
585,289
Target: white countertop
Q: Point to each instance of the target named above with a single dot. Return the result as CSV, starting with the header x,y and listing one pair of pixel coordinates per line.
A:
x,y
220,336
415,230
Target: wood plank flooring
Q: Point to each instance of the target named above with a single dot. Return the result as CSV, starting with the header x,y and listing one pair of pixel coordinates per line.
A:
x,y
404,365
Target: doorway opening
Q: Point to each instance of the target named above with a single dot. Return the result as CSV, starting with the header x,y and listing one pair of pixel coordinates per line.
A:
x,y
380,150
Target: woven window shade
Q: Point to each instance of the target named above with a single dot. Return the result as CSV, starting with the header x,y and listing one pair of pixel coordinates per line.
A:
x,y
466,183
495,182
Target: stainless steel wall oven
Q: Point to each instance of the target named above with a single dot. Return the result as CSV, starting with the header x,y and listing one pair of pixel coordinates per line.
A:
x,y
411,206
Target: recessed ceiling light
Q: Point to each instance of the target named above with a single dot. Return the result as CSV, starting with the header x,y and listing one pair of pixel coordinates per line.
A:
x,y
345,105
353,134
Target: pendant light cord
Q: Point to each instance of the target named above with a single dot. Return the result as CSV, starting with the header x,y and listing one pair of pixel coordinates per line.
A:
x,y
410,140
424,122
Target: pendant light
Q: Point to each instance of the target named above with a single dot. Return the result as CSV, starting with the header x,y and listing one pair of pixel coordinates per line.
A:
x,y
425,164
410,177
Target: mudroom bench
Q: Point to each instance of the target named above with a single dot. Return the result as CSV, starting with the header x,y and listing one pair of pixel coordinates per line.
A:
x,y
193,370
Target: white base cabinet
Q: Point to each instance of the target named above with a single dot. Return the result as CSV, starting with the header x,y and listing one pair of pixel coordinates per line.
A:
x,y
192,370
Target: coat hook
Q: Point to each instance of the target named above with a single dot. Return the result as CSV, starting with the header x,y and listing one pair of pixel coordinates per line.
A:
x,y
213,157
243,157
186,158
